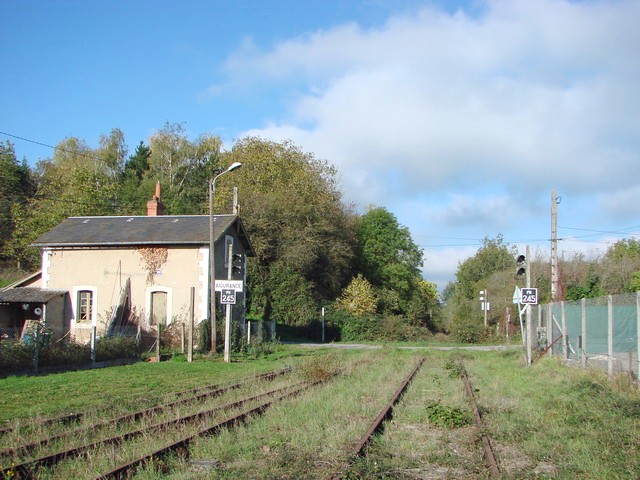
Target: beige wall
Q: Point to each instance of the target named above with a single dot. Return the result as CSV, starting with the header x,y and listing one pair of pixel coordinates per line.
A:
x,y
104,272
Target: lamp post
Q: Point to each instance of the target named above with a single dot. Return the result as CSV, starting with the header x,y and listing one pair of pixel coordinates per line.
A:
x,y
212,263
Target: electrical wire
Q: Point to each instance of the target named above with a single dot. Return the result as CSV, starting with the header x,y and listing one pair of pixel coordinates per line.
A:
x,y
53,147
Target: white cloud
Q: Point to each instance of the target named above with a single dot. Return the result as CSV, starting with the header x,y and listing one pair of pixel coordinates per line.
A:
x,y
488,113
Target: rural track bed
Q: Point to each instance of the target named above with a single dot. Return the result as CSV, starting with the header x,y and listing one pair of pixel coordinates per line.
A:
x,y
370,414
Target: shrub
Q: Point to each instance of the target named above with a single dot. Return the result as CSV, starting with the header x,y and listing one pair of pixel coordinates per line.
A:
x,y
15,355
112,348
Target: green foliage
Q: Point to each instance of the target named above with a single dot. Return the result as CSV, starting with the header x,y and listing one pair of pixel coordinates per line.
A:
x,y
389,328
492,257
590,289
291,296
302,233
634,284
117,347
16,186
359,297
15,355
388,258
455,367
465,326
18,355
204,336
444,416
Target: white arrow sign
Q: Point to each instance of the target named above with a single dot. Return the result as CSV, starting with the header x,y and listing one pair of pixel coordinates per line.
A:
x,y
516,295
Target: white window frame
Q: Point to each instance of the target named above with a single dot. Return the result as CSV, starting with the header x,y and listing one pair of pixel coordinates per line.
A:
x,y
94,306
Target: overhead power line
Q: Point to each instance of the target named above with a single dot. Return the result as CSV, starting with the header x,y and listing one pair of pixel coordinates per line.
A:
x,y
53,147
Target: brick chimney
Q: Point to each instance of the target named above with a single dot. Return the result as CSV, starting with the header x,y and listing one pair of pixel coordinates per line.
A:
x,y
154,206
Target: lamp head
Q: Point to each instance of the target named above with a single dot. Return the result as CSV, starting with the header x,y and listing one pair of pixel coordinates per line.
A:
x,y
234,166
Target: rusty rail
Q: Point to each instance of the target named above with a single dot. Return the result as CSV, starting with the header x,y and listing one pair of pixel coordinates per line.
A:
x,y
182,446
29,468
486,442
377,426
213,391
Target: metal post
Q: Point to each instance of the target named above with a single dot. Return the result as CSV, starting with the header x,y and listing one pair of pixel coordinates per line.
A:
x,y
212,271
191,315
212,263
322,324
554,247
528,311
227,323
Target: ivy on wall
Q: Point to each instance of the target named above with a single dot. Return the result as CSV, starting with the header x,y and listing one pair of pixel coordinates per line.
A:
x,y
153,259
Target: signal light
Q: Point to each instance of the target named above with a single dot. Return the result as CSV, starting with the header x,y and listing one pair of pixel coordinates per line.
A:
x,y
237,262
521,265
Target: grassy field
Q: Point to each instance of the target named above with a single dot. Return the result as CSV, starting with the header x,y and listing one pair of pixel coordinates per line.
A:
x,y
545,421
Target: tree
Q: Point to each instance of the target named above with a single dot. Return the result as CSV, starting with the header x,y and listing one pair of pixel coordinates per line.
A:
x,y
493,256
298,225
16,186
491,268
183,168
619,265
74,182
389,258
359,297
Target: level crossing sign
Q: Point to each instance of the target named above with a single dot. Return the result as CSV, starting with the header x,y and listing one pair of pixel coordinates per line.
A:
x,y
228,297
529,296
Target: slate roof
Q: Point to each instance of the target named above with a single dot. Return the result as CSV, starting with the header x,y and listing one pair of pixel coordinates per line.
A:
x,y
29,295
142,230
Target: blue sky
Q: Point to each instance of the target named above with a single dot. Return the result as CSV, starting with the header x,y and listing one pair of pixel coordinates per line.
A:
x,y
460,118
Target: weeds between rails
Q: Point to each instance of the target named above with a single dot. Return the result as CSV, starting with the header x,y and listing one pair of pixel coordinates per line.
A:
x,y
76,417
27,469
208,391
214,391
456,370
181,447
377,425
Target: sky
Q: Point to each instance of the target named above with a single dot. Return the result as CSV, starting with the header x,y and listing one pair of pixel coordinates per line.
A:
x,y
459,117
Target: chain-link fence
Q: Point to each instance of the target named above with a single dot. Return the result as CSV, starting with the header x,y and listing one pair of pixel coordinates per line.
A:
x,y
599,332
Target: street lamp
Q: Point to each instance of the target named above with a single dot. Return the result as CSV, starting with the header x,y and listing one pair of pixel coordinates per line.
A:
x,y
212,263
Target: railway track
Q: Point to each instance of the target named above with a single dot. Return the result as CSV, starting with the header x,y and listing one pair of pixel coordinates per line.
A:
x,y
185,397
377,426
360,450
30,468
77,417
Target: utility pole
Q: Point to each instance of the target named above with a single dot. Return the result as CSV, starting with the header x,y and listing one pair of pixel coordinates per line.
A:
x,y
528,311
227,322
554,247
